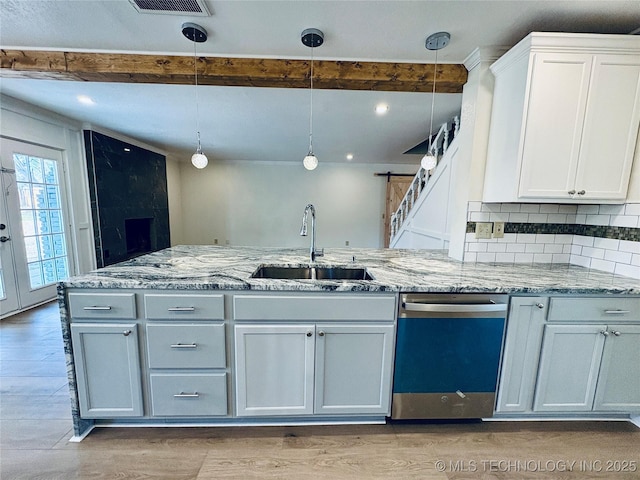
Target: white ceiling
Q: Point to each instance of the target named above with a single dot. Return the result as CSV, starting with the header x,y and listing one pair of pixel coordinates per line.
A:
x,y
239,123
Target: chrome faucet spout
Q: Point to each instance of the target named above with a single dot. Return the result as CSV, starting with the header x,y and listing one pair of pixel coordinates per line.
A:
x,y
313,252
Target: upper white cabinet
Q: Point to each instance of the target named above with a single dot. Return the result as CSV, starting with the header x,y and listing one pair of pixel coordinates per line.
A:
x,y
565,118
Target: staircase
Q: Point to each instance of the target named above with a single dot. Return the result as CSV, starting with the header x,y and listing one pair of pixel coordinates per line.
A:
x,y
421,220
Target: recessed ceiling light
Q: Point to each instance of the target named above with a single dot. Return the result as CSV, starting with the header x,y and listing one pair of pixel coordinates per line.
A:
x,y
85,99
349,156
382,108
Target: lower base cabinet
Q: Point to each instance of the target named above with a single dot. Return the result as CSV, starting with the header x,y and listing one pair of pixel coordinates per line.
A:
x,y
188,394
304,369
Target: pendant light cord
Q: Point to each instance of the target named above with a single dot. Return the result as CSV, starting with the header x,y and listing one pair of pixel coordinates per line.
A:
x,y
433,99
311,109
195,69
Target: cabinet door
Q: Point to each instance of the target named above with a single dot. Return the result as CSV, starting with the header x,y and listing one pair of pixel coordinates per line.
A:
x,y
353,369
569,364
274,369
554,115
521,352
107,369
611,127
619,380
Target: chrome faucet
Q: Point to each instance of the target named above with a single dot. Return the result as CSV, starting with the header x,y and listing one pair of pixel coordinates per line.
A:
x,y
313,253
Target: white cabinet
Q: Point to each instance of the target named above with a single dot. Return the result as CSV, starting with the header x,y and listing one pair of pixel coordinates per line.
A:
x,y
565,118
107,366
329,354
521,352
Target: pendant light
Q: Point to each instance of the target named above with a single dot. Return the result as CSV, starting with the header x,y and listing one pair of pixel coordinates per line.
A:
x,y
196,34
435,42
311,37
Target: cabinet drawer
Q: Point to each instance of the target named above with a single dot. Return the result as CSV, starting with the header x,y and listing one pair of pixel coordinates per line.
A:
x,y
607,309
301,307
190,307
186,346
102,305
188,395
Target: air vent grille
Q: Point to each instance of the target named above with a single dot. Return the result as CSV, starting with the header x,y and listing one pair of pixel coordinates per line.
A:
x,y
171,7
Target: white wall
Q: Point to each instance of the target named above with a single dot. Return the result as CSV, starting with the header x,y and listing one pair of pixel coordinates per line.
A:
x,y
261,204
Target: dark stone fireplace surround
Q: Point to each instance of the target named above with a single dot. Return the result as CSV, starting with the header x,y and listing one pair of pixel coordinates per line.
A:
x,y
129,201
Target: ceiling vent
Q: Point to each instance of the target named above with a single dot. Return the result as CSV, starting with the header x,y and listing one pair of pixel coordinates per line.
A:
x,y
171,7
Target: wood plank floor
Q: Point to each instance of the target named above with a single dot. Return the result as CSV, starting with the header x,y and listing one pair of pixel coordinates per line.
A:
x,y
35,426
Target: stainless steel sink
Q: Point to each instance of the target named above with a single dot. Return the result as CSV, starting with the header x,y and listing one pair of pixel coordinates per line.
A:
x,y
312,273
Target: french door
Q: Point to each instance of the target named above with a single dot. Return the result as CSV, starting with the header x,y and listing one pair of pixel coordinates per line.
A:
x,y
33,237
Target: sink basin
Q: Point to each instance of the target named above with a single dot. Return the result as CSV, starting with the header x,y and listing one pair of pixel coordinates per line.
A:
x,y
312,273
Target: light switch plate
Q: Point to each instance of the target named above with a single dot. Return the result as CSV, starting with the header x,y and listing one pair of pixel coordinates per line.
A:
x,y
498,229
483,230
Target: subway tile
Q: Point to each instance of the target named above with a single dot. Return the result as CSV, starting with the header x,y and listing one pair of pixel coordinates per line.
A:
x,y
542,258
510,237
545,238
560,258
530,208
566,248
526,238
588,209
628,246
598,219
611,209
557,218
534,248
477,247
474,206
491,207
499,217
568,209
553,248
584,241
618,257
632,209
523,258
470,257
486,257
519,217
470,237
549,208
628,270
593,252
479,216
487,240
606,243
516,247
581,219
505,257
498,247
624,221
603,265
538,218
564,238
576,250
571,218
635,259
510,207
580,260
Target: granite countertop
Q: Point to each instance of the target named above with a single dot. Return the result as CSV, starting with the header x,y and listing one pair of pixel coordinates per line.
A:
x,y
207,267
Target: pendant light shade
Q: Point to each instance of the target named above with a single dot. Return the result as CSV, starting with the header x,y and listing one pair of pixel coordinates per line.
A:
x,y
311,37
435,42
196,34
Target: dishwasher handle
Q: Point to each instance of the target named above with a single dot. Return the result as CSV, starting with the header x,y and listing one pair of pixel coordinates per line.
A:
x,y
454,308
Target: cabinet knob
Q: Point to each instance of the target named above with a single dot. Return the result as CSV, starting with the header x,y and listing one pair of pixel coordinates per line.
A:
x,y
581,192
126,333
571,192
605,333
309,334
616,333
540,305
321,333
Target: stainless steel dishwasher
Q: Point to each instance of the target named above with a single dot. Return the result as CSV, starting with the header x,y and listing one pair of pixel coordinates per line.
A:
x,y
447,355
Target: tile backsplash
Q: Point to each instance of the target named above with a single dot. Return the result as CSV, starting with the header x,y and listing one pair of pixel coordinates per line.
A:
x,y
602,237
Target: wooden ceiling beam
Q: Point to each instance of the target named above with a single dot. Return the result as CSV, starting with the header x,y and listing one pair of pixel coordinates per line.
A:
x,y
245,72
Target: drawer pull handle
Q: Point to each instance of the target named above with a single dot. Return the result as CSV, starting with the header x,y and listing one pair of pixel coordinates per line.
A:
x,y
605,333
616,333
571,192
97,307
184,345
540,305
126,333
617,312
181,309
581,192
187,395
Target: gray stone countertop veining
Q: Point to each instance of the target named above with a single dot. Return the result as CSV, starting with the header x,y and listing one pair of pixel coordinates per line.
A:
x,y
208,267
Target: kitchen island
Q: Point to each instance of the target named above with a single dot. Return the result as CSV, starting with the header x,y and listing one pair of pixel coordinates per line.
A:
x,y
216,283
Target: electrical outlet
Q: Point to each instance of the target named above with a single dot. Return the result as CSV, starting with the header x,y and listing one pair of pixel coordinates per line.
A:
x,y
215,241
498,229
483,230
346,243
